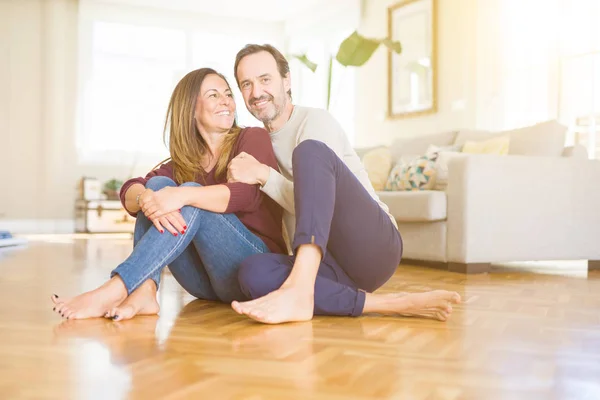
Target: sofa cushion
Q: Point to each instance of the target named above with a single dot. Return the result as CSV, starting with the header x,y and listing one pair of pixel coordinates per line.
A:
x,y
378,163
543,139
417,146
417,206
577,151
498,145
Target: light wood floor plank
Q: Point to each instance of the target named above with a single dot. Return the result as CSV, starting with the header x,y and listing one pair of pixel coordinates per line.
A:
x,y
520,334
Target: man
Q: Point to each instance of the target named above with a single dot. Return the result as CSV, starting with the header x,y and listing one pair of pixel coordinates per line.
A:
x,y
345,242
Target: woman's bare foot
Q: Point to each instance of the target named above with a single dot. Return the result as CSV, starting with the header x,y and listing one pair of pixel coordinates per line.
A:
x,y
289,303
92,304
436,304
141,302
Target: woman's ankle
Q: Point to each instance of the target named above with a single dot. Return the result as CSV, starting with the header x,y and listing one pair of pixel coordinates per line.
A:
x,y
117,286
149,285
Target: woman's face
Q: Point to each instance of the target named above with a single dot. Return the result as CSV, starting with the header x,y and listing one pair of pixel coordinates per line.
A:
x,y
215,107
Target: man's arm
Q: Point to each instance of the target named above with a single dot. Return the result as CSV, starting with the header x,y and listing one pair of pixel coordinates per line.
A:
x,y
321,126
280,189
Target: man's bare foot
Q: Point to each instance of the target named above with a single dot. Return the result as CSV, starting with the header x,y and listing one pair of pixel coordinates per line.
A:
x,y
91,304
289,303
141,302
436,304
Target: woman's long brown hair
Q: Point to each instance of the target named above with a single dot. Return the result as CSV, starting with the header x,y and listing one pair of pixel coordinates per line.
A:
x,y
186,145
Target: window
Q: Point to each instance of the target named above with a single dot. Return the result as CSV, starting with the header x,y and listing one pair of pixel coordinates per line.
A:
x,y
128,75
310,88
133,72
579,73
526,67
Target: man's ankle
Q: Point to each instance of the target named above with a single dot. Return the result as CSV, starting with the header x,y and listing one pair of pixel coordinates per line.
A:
x,y
301,283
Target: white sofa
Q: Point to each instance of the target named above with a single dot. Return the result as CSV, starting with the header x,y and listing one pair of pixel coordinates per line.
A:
x,y
539,202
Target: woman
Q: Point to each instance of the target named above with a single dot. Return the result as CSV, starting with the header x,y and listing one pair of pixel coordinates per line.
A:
x,y
188,216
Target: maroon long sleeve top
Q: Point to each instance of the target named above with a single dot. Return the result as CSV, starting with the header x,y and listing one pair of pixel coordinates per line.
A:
x,y
257,211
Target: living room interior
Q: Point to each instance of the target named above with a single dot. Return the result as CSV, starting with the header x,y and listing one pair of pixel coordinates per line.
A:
x,y
477,121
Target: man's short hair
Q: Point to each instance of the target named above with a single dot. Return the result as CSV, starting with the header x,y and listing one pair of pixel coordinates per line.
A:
x,y
282,64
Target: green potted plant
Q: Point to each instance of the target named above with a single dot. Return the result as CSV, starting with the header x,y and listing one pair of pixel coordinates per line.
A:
x,y
111,189
354,51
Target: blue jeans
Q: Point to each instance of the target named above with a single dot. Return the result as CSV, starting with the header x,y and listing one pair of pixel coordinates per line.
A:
x,y
205,260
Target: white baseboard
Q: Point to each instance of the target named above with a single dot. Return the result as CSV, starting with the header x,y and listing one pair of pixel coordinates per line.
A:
x,y
38,225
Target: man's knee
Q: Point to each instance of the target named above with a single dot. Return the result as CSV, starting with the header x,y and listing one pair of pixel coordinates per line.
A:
x,y
310,149
158,182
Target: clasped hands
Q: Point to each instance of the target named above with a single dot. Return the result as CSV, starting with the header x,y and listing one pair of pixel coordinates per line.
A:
x,y
163,207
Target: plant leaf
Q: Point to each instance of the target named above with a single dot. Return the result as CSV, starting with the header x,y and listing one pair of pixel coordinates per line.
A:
x,y
304,60
393,46
356,50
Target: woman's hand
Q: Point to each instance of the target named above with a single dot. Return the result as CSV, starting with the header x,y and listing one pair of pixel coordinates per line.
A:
x,y
173,222
245,168
158,204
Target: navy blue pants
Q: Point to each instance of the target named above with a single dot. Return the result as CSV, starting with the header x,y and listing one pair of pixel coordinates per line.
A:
x,y
361,247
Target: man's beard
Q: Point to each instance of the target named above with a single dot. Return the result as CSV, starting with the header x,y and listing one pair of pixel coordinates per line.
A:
x,y
269,114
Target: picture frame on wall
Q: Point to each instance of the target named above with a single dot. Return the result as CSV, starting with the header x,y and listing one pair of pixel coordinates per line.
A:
x,y
412,74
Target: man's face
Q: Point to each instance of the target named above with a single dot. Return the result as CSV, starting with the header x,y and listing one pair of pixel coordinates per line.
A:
x,y
263,88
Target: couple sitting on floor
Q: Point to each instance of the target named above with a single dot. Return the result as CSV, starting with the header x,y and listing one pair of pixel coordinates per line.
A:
x,y
214,212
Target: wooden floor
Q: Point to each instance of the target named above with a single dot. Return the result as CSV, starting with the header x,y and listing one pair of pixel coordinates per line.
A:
x,y
518,335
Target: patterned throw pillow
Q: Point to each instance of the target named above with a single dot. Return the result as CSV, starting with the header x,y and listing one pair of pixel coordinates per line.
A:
x,y
416,174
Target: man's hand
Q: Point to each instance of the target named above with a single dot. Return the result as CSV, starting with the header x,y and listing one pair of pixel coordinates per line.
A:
x,y
246,169
158,204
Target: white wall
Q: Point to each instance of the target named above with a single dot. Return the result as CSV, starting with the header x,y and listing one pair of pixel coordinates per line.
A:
x,y
36,115
498,64
456,70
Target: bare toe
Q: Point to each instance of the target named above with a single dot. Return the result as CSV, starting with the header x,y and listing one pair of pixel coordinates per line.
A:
x,y
236,307
124,312
58,307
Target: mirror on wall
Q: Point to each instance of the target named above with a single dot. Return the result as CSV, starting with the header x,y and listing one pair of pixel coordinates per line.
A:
x,y
412,79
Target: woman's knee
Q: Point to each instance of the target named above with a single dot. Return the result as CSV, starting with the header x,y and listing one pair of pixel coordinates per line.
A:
x,y
158,182
195,184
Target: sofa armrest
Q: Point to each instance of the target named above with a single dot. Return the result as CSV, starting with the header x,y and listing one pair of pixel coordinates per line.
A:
x,y
520,208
